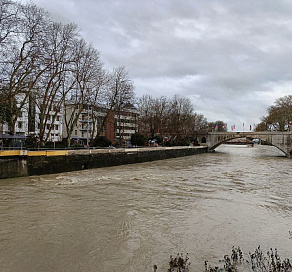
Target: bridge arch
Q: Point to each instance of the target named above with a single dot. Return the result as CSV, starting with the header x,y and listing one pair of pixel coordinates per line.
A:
x,y
224,141
281,140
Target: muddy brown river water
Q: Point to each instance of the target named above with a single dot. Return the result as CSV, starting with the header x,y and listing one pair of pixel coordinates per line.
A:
x,y
127,218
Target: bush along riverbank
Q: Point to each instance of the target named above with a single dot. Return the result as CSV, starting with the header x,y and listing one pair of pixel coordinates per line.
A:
x,y
258,261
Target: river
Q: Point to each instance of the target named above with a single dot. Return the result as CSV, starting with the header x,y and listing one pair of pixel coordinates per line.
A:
x,y
127,218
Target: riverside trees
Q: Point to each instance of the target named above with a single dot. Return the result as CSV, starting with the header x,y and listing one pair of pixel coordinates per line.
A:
x,y
173,117
20,55
279,115
85,81
50,66
47,67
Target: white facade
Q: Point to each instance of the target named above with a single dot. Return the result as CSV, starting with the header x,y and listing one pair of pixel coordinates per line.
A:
x,y
125,125
84,129
53,127
119,127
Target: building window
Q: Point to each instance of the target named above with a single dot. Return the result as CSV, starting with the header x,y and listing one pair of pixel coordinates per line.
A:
x,y
75,132
19,124
56,127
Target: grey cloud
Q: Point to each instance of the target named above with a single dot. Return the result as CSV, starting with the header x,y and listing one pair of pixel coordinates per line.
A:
x,y
232,57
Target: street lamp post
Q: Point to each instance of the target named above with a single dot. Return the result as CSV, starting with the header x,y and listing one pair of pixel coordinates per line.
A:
x,y
87,126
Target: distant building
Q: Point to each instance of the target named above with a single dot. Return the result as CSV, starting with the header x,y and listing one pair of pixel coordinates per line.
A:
x,y
126,124
96,121
28,123
116,126
91,121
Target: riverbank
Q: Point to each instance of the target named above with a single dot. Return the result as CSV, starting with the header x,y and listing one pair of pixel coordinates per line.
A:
x,y
30,163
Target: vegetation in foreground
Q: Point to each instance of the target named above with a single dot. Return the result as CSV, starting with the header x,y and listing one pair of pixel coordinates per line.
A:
x,y
255,262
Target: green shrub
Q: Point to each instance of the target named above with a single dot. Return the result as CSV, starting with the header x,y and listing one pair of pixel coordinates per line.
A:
x,y
138,139
56,145
158,139
101,141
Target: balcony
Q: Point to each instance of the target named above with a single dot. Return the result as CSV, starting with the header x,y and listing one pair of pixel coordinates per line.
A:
x,y
85,121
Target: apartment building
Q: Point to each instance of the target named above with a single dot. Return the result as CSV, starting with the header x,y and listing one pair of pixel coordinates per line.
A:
x,y
28,123
21,125
126,124
115,126
54,126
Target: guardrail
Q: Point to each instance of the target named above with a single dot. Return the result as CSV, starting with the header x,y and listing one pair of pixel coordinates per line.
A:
x,y
10,153
65,152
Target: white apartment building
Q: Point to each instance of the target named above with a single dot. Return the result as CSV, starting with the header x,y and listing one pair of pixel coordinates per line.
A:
x,y
126,124
28,123
21,125
87,125
118,127
54,128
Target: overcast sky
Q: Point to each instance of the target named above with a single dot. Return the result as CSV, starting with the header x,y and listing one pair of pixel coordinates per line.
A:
x,y
232,58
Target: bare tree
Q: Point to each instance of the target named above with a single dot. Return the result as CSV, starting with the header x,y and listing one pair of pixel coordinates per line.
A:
x,y
119,95
55,82
161,106
218,126
20,68
279,115
9,20
152,115
8,23
89,77
173,118
200,122
96,102
46,66
146,111
180,117
263,125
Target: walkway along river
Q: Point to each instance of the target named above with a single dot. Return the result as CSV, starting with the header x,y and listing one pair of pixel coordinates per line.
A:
x,y
127,218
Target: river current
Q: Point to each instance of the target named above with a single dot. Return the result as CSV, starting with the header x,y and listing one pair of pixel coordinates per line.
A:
x,y
127,218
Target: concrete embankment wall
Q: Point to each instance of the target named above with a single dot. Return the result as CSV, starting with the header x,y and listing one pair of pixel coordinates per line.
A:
x,y
49,162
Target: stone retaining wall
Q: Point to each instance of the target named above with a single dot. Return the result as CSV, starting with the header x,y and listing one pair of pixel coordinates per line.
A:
x,y
87,159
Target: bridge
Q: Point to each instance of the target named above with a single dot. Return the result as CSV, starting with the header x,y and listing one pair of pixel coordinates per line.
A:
x,y
281,140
